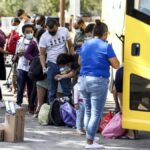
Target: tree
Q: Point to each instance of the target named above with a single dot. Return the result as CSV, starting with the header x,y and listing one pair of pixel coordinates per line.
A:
x,y
9,7
91,6
49,7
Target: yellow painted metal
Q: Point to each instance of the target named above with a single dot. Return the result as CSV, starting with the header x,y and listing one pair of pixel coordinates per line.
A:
x,y
135,32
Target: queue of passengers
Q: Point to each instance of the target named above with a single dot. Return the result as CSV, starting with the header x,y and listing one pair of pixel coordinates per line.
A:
x,y
86,63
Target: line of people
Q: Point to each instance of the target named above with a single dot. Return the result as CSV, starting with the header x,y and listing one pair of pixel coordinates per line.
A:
x,y
81,69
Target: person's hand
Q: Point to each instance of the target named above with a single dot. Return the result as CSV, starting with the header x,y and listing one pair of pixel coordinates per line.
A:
x,y
76,106
59,77
45,70
20,54
15,59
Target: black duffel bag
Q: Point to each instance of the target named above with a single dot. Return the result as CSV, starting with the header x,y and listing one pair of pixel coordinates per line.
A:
x,y
35,71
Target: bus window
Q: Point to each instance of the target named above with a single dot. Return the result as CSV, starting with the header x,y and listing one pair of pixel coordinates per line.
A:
x,y
143,6
139,93
139,9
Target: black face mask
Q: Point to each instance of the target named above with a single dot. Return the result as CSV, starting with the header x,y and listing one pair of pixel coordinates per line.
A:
x,y
52,33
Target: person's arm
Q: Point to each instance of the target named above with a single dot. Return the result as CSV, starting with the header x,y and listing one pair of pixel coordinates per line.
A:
x,y
43,57
70,46
28,52
62,76
69,42
114,62
43,51
31,51
3,51
79,60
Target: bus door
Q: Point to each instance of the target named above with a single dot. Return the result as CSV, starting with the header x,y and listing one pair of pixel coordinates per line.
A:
x,y
136,82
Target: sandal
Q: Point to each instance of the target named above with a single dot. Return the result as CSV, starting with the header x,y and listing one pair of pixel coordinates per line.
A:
x,y
128,135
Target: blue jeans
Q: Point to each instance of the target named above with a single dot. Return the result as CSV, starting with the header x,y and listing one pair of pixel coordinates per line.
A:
x,y
22,80
80,116
94,91
53,70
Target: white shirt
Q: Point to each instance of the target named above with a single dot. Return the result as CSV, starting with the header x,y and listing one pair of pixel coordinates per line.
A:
x,y
22,45
56,44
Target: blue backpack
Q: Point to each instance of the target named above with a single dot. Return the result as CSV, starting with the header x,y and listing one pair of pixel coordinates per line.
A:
x,y
68,114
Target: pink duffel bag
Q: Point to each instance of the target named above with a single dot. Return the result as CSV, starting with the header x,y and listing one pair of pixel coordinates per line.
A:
x,y
114,128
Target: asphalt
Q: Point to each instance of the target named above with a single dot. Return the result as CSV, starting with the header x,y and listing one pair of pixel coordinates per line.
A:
x,y
63,138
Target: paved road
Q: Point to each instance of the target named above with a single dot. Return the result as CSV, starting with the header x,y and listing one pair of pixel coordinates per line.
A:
x,y
62,138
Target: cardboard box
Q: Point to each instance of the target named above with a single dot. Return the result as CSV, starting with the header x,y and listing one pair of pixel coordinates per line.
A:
x,y
2,128
14,126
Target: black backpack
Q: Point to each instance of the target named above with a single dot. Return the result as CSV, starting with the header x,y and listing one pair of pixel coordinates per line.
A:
x,y
55,115
35,71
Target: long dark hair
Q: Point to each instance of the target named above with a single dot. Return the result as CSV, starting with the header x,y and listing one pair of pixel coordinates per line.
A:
x,y
100,28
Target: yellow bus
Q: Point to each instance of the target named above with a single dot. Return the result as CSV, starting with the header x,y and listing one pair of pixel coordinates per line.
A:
x,y
136,88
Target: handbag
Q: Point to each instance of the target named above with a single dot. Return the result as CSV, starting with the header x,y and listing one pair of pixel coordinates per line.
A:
x,y
114,128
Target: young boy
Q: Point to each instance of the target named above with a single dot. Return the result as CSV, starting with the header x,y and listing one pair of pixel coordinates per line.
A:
x,y
67,68
26,50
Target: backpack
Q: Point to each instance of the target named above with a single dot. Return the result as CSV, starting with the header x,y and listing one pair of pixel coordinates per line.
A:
x,y
12,42
54,115
68,114
35,71
43,116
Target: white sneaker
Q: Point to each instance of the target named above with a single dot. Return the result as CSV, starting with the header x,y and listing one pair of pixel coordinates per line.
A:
x,y
94,145
96,139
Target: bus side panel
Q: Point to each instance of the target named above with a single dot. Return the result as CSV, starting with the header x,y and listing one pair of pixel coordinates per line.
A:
x,y
138,66
134,119
137,32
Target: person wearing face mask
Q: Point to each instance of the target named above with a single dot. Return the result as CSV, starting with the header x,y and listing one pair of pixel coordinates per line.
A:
x,y
14,36
40,26
96,57
11,47
26,50
24,18
79,37
53,43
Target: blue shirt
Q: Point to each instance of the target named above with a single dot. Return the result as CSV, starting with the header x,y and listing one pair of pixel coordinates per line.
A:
x,y
95,55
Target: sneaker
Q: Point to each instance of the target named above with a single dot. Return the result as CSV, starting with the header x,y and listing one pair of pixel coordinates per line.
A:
x,y
96,139
81,132
94,146
35,115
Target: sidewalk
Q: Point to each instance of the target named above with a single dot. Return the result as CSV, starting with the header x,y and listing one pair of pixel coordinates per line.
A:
x,y
62,138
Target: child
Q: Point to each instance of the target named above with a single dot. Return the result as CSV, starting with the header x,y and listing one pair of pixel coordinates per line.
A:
x,y
67,68
26,50
79,106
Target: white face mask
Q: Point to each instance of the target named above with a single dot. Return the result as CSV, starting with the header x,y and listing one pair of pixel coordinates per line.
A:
x,y
77,30
64,70
37,26
29,36
14,28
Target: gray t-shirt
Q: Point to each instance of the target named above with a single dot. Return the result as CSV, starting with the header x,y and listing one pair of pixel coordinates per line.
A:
x,y
55,45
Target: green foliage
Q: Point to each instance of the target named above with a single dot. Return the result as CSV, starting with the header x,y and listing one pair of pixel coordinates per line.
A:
x,y
91,6
9,7
45,7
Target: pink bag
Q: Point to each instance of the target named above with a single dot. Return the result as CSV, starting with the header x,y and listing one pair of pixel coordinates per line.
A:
x,y
114,128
